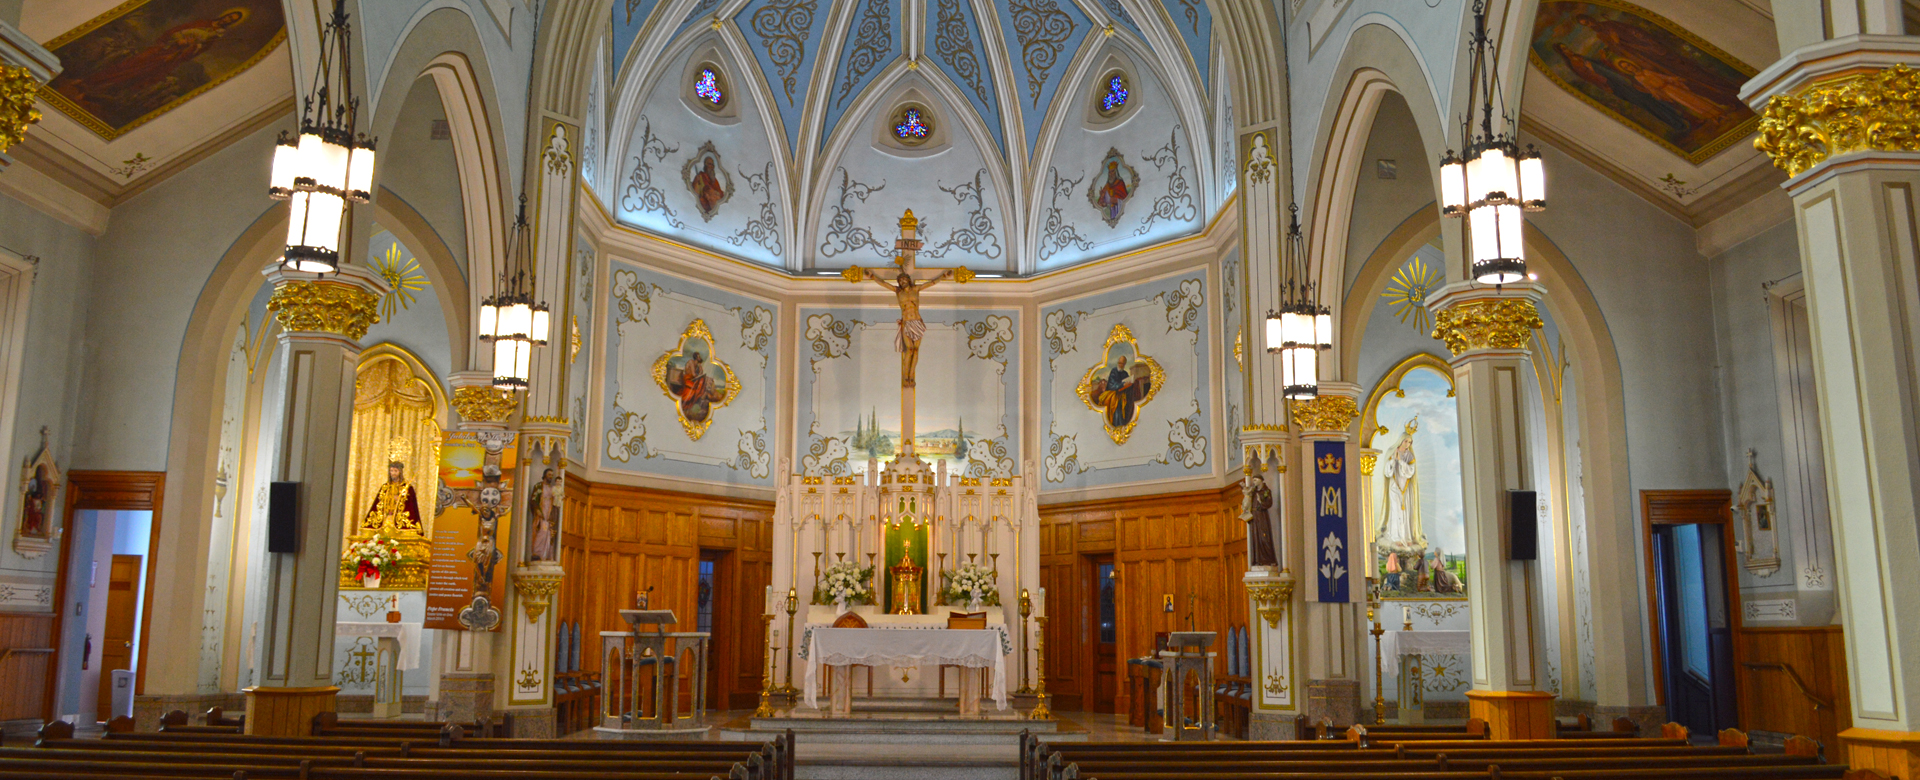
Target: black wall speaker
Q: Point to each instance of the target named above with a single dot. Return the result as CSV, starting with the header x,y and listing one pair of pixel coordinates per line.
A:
x,y
283,516
1523,530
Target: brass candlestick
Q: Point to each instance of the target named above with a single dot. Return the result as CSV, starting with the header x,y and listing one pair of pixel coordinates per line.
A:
x,y
816,565
1040,710
766,671
793,606
996,564
943,562
1379,682
1026,609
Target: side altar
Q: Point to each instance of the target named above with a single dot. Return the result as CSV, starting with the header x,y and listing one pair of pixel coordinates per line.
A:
x,y
905,545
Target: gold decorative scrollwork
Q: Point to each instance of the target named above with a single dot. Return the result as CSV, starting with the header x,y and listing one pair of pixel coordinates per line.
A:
x,y
1325,413
1878,110
1276,684
17,90
1488,323
696,425
483,404
325,307
536,592
1121,335
1270,600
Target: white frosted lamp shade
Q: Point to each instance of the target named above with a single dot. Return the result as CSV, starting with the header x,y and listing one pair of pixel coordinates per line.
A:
x,y
1490,176
360,175
286,161
503,357
540,325
1453,186
1276,331
321,228
489,319
1323,330
1533,182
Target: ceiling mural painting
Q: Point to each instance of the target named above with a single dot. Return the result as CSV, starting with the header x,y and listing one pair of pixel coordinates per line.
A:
x,y
629,18
142,59
1041,37
700,176
1195,24
1646,72
938,139
958,48
785,36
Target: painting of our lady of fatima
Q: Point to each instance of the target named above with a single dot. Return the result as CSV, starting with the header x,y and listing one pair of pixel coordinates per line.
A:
x,y
697,382
1417,519
146,57
1121,384
1645,71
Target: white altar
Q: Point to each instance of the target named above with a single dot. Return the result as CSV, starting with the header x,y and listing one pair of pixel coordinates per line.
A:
x,y
1404,671
901,647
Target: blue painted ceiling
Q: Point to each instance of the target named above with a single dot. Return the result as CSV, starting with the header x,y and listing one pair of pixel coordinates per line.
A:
x,y
1010,79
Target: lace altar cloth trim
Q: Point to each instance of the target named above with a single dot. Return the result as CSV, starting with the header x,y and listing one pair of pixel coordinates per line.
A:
x,y
806,637
905,647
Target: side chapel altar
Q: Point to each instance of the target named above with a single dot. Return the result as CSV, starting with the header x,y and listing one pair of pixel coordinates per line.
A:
x,y
875,562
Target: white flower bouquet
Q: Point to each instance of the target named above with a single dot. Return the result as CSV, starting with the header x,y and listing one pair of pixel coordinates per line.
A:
x,y
373,556
844,583
970,584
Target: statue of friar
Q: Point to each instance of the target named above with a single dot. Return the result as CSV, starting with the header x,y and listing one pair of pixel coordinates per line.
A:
x,y
1256,501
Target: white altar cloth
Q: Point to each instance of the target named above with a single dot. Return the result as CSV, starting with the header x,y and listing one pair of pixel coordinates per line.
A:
x,y
971,648
407,634
1396,644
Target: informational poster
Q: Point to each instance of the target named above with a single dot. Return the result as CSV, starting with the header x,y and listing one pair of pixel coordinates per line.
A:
x,y
1330,525
466,583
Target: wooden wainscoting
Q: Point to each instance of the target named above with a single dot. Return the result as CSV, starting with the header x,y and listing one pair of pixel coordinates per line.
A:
x,y
618,540
26,664
1184,544
1819,705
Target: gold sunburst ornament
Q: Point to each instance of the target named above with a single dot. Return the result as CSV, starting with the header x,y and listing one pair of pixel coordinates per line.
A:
x,y
404,278
1407,292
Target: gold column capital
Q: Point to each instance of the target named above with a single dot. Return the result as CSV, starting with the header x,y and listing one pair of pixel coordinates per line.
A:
x,y
1325,413
324,306
536,591
483,403
1487,323
17,91
1870,110
1270,598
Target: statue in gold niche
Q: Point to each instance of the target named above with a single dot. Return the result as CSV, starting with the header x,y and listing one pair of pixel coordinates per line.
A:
x,y
395,509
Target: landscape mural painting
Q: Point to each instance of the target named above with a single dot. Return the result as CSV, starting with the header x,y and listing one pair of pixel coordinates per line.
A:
x,y
142,59
1646,72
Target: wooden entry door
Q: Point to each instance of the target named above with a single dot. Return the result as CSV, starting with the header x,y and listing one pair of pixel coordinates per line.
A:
x,y
1106,634
116,644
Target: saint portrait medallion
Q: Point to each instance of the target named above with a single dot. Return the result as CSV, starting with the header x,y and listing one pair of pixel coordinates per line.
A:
x,y
1121,384
694,380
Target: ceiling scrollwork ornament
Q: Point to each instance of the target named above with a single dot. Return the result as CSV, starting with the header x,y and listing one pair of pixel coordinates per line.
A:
x,y
784,27
1325,413
1495,323
17,90
1874,111
1043,31
483,404
324,307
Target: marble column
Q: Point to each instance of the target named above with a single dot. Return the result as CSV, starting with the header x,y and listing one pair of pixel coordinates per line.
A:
x,y
322,322
1333,630
1488,330
1853,189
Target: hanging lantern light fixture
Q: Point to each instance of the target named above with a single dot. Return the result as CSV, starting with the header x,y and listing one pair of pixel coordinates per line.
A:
x,y
1302,327
1492,181
329,164
510,319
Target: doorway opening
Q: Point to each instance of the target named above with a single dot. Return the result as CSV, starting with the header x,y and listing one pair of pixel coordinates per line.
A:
x,y
1105,680
112,551
714,609
1691,561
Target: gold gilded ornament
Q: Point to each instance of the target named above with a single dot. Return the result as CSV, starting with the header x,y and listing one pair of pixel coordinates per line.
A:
x,y
483,404
536,592
1497,323
1112,386
1878,110
1325,413
697,382
1270,599
17,89
324,307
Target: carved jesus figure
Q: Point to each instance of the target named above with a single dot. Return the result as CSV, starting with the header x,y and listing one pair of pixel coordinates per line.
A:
x,y
906,289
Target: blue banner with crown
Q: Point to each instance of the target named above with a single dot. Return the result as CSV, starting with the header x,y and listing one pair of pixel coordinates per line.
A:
x,y
1330,524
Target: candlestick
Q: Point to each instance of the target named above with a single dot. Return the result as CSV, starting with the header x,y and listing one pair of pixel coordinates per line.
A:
x,y
1040,710
996,564
1026,609
766,670
793,606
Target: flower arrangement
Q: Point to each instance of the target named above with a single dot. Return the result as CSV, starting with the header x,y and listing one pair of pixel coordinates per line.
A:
x,y
970,584
844,583
373,557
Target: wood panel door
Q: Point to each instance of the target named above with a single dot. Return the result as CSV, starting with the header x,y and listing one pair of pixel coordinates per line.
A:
x,y
1106,633
26,661
116,644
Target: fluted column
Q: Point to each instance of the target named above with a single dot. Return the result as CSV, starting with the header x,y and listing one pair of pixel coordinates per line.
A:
x,y
1488,329
1838,118
322,322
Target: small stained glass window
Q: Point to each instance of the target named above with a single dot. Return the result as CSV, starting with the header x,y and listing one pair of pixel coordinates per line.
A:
x,y
912,126
709,90
1116,95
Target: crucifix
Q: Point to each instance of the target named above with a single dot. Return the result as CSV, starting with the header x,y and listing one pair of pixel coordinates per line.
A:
x,y
906,288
